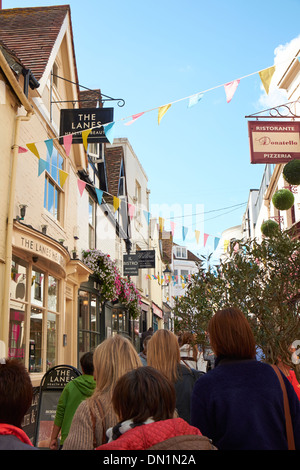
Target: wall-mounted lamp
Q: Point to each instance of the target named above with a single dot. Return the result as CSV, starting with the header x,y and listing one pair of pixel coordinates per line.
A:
x,y
44,229
167,270
22,208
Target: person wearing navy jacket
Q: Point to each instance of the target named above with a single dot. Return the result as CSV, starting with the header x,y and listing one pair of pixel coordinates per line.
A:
x,y
239,404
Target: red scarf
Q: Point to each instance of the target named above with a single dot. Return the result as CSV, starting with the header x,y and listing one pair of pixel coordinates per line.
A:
x,y
9,429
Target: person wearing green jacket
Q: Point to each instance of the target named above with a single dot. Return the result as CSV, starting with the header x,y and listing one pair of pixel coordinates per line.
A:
x,y
72,395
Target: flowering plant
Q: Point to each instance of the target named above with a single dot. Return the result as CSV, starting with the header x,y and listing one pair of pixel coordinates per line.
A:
x,y
113,285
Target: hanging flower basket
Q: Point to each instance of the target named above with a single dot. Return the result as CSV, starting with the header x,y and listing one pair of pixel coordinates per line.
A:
x,y
113,286
269,228
291,172
283,199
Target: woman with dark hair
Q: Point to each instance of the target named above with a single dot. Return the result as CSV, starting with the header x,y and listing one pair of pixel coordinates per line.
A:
x,y
239,404
144,401
15,400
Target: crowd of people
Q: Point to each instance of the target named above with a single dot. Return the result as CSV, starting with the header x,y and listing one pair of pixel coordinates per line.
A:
x,y
166,397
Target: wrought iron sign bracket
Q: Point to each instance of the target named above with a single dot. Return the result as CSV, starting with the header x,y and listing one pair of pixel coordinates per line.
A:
x,y
283,111
120,101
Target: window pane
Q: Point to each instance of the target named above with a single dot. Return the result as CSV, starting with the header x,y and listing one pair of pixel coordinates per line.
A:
x,y
16,346
52,294
83,320
35,347
37,288
93,313
51,340
50,200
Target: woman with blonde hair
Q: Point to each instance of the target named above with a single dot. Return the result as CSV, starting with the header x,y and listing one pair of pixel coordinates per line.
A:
x,y
163,354
113,358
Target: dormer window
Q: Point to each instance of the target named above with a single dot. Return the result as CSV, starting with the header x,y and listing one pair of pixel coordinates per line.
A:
x,y
180,252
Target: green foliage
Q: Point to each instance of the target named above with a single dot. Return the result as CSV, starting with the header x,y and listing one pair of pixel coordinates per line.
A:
x,y
269,228
283,199
291,172
263,280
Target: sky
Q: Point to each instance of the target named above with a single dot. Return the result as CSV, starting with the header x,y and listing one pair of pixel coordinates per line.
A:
x,y
151,54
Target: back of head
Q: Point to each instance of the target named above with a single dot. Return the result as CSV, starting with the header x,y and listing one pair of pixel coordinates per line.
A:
x,y
144,393
86,362
186,338
230,334
163,353
113,358
15,392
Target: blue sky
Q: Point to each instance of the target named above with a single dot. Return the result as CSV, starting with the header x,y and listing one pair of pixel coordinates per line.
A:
x,y
154,53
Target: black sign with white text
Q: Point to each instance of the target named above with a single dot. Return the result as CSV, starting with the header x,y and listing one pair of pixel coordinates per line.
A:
x,y
74,121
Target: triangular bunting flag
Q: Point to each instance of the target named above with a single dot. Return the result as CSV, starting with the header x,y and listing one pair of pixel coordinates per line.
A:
x,y
134,118
266,77
67,143
226,243
172,227
116,203
33,149
230,89
184,232
99,193
197,234
161,224
85,135
43,165
109,132
147,216
49,145
195,99
62,177
22,150
131,210
205,238
216,242
162,111
81,185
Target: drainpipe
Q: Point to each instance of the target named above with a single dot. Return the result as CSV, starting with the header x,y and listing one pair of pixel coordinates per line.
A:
x,y
9,231
4,331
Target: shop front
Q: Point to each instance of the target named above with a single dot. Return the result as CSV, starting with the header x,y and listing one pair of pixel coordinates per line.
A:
x,y
43,294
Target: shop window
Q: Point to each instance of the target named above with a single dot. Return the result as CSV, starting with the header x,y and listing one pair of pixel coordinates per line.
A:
x,y
88,321
53,190
38,314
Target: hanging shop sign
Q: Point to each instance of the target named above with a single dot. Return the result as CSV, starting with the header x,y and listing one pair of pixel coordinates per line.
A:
x,y
130,265
274,142
74,121
52,384
146,258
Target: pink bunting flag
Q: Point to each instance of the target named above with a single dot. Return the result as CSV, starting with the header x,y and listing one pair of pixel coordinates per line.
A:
x,y
205,238
230,89
134,118
22,150
67,143
131,210
172,227
81,185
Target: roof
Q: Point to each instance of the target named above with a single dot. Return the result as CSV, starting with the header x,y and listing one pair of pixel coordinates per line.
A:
x,y
31,34
113,160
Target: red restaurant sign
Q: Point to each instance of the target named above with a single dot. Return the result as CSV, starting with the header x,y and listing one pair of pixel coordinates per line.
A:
x,y
271,142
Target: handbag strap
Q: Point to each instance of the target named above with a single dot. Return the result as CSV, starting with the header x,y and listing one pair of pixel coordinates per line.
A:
x,y
288,420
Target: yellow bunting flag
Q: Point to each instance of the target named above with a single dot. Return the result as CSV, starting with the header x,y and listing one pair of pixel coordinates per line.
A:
x,y
62,177
161,224
162,111
266,77
226,244
116,203
33,149
85,135
197,234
